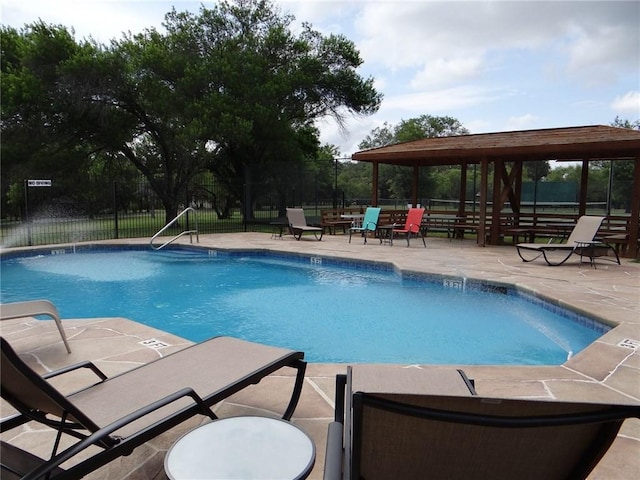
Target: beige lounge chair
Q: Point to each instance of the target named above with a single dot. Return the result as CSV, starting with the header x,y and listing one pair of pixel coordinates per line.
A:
x,y
298,224
31,309
405,435
580,242
121,413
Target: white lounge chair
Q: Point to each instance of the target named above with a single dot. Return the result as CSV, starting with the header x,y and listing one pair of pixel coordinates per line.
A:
x,y
31,309
580,241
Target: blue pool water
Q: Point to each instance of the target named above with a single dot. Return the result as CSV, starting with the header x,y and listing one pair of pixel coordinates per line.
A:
x,y
334,313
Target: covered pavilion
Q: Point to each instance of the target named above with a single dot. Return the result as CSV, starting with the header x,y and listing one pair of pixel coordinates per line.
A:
x,y
506,152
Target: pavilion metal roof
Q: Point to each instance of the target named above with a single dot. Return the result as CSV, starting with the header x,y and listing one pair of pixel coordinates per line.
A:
x,y
569,143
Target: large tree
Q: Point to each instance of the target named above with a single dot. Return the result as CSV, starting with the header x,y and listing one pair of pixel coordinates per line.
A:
x,y
231,89
28,66
394,181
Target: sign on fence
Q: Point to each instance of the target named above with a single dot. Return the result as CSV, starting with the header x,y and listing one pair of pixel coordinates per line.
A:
x,y
38,183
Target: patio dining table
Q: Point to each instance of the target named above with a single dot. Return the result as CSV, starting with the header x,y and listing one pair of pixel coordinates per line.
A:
x,y
356,218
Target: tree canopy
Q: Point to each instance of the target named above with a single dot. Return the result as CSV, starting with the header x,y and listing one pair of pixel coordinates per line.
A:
x,y
395,181
231,89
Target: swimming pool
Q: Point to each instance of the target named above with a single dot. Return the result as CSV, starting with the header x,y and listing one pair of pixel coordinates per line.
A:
x,y
332,310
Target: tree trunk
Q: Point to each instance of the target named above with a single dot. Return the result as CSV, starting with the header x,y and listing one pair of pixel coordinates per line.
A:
x,y
170,210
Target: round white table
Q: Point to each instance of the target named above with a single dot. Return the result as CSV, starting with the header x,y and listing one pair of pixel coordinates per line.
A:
x,y
241,448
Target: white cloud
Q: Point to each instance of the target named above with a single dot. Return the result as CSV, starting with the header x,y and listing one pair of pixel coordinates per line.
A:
x,y
445,71
348,140
523,122
443,100
478,126
589,39
103,20
627,104
598,56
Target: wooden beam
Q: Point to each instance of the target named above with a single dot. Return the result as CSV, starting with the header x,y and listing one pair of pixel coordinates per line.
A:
x,y
508,180
516,204
584,183
463,189
499,176
482,215
414,184
374,185
632,241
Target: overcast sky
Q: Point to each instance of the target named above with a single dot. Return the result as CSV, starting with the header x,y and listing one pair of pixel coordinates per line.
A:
x,y
493,65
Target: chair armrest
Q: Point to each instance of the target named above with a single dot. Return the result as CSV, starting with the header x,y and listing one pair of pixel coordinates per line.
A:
x,y
333,454
12,421
76,366
105,432
469,382
341,385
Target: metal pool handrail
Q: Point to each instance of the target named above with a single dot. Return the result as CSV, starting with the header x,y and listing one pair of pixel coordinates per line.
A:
x,y
190,232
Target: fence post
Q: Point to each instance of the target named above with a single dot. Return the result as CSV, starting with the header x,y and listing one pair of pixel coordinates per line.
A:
x,y
26,211
115,209
247,200
187,204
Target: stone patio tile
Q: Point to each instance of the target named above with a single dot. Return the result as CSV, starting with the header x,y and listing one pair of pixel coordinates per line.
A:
x,y
622,461
513,389
620,333
631,429
327,385
625,379
589,362
272,395
633,360
585,392
325,369
144,463
317,430
489,373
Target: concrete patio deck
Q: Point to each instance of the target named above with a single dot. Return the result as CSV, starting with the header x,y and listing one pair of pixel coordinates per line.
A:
x,y
607,371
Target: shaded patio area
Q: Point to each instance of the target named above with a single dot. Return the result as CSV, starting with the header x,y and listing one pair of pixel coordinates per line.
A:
x,y
500,204
608,370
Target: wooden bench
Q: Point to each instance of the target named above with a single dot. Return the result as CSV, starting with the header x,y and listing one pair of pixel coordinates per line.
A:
x,y
440,223
468,223
392,217
332,219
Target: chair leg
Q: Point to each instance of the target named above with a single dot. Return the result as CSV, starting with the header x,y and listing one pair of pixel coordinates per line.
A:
x,y
539,253
615,252
301,366
553,263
